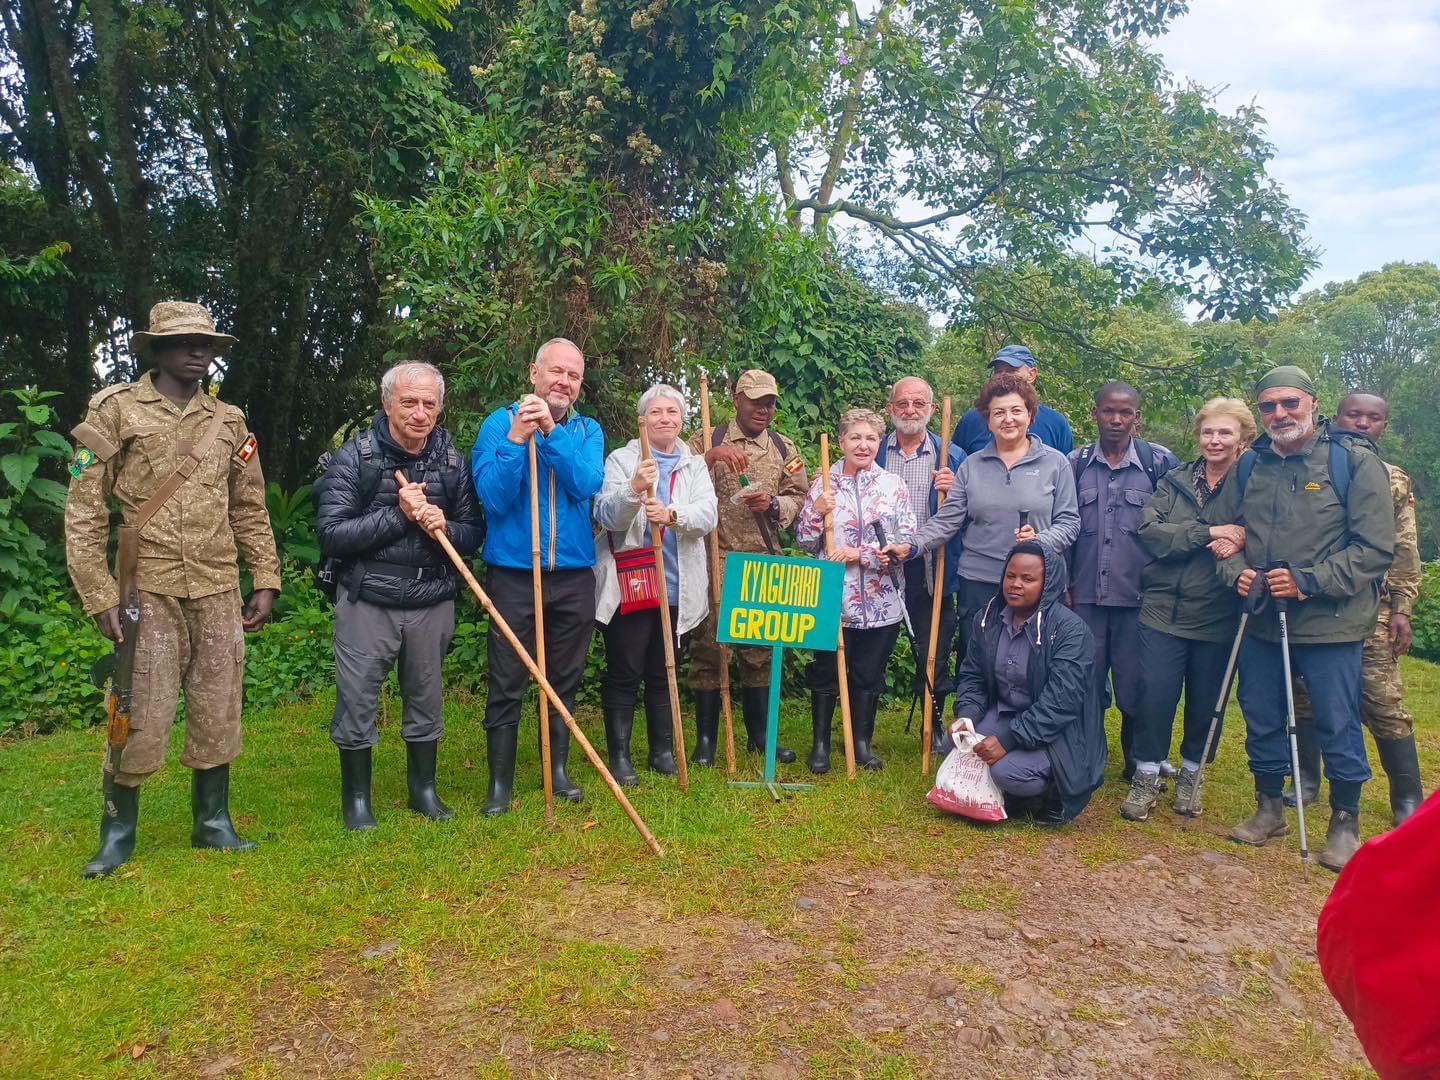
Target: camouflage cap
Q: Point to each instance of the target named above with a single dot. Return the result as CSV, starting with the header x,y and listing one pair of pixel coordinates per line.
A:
x,y
756,384
177,318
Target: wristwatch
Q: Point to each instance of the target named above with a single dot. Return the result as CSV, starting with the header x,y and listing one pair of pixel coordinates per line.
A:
x,y
774,508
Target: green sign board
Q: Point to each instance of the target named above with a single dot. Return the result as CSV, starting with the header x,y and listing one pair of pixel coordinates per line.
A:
x,y
780,602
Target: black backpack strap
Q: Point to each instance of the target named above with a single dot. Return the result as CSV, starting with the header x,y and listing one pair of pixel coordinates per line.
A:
x,y
1082,460
1146,453
717,436
778,441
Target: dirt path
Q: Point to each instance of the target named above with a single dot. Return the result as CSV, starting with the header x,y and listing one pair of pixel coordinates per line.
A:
x,y
1187,962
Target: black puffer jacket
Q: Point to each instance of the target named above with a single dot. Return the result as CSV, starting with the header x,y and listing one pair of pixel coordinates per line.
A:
x,y
359,519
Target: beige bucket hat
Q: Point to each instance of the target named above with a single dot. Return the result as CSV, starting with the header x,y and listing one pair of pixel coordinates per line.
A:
x,y
177,318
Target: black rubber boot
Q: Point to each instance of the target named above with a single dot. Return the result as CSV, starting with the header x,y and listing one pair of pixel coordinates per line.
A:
x,y
1309,766
660,730
755,707
420,779
117,834
862,720
355,790
619,722
707,726
939,728
210,807
822,715
1342,840
1402,766
500,749
560,759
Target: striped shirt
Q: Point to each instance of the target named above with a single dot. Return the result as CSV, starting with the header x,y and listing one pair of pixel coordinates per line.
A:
x,y
918,472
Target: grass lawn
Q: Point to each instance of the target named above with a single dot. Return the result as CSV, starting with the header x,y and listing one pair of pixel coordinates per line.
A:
x,y
849,931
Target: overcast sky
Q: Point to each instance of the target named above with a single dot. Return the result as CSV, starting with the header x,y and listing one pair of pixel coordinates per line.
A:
x,y
1351,95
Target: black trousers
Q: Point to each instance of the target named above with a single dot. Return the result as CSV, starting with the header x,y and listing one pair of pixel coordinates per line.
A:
x,y
970,600
1168,663
867,658
918,604
635,654
569,598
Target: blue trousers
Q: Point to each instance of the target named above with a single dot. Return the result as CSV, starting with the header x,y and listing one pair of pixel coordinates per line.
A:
x,y
1332,675
1022,773
1167,664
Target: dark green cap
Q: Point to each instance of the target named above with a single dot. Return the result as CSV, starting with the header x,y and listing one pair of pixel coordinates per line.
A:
x,y
1286,375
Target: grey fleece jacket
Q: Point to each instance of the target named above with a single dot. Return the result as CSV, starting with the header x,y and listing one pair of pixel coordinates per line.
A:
x,y
986,502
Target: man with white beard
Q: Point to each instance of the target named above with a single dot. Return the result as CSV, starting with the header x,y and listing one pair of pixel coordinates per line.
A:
x,y
912,452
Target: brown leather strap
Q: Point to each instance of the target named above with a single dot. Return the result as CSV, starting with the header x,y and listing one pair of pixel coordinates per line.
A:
x,y
182,471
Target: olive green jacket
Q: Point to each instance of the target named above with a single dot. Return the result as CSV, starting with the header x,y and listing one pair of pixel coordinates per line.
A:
x,y
1182,596
1341,551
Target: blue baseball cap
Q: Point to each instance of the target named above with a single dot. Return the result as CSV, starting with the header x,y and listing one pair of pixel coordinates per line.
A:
x,y
1016,356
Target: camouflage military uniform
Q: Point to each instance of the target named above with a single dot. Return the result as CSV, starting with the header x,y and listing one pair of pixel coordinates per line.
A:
x,y
740,532
190,633
1382,690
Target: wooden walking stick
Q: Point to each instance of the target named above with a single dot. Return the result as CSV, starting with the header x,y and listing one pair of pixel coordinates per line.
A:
x,y
657,540
544,706
840,668
547,692
936,598
716,576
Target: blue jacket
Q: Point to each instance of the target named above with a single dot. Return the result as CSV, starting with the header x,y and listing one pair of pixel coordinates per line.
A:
x,y
957,542
1065,718
571,461
972,434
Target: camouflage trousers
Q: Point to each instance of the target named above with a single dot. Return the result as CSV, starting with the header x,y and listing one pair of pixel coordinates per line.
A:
x,y
197,644
1382,692
705,660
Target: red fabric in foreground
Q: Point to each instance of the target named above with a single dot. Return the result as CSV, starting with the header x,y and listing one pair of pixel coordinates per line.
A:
x,y
1379,946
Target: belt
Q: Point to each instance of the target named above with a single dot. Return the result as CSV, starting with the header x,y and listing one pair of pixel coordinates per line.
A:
x,y
396,570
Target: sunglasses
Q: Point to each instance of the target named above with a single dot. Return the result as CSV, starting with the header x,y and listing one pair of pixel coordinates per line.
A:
x,y
915,404
1289,404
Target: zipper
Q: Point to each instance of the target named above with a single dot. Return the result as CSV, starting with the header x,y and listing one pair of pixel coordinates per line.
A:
x,y
552,519
860,543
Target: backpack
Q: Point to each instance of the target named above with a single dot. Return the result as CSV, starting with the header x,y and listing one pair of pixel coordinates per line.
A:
x,y
1143,450
1339,470
330,569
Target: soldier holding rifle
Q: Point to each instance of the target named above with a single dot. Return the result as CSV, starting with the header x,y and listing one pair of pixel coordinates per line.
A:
x,y
185,471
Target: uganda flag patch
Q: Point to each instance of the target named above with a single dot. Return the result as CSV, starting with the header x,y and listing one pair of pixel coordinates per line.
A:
x,y
795,465
247,450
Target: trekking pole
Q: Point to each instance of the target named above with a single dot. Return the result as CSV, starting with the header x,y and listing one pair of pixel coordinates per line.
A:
x,y
657,540
841,670
1251,606
716,575
542,706
879,531
497,622
1282,609
937,594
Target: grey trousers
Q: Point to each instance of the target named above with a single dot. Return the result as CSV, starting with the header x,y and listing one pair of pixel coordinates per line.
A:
x,y
369,640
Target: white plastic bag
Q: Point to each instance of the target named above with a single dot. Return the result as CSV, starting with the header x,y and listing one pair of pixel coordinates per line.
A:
x,y
963,785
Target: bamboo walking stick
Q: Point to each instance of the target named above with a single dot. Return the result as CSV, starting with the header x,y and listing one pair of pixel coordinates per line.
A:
x,y
657,540
716,574
842,673
546,777
547,692
936,598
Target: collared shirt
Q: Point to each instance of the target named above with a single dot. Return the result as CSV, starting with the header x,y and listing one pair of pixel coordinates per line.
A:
x,y
136,437
918,472
738,529
1012,665
1108,560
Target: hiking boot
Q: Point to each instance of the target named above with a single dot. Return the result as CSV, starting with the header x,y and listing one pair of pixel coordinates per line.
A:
x,y
355,806
1402,766
822,715
1144,794
1267,821
1188,789
1342,840
420,780
755,709
500,749
1168,771
117,834
210,809
619,722
707,726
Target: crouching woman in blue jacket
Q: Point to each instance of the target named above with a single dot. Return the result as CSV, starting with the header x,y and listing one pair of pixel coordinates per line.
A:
x,y
1027,684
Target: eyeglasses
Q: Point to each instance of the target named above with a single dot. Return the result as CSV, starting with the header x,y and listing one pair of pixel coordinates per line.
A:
x,y
1289,404
913,404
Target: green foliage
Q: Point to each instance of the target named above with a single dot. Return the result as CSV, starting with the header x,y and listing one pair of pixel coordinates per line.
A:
x,y
292,519
1425,620
292,658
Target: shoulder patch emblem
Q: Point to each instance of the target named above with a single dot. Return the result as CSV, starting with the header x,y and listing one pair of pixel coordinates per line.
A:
x,y
1312,486
84,458
247,450
795,465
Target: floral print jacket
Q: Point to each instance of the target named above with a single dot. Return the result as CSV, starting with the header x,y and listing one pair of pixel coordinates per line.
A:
x,y
874,494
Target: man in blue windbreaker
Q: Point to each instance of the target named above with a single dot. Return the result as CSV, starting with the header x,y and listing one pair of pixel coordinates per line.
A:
x,y
972,434
571,459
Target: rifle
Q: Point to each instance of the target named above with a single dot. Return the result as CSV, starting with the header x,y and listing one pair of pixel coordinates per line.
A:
x,y
119,667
